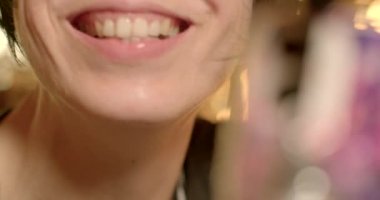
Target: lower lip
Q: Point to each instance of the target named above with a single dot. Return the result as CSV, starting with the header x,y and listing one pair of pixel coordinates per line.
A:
x,y
119,50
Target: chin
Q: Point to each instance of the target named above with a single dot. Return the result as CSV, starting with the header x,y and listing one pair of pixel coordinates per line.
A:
x,y
133,60
130,103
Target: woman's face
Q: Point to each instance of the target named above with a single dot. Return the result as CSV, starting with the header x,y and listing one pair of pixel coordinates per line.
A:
x,y
147,60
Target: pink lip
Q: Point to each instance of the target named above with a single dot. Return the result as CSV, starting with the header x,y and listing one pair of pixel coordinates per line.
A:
x,y
118,50
133,6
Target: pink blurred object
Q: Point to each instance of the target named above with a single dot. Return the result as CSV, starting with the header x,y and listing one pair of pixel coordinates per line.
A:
x,y
356,166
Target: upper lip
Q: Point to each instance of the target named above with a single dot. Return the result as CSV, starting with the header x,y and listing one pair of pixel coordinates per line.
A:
x,y
136,6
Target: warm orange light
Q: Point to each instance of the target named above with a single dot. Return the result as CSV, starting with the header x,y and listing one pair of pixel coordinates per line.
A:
x,y
367,16
361,26
373,12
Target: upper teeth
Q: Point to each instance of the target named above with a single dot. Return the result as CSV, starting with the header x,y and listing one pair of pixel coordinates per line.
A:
x,y
128,29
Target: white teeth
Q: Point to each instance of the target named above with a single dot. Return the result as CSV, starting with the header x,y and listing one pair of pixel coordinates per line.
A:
x,y
99,29
165,27
123,28
174,31
140,28
133,30
154,29
109,28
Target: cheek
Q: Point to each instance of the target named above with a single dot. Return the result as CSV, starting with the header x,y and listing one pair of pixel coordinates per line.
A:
x,y
233,18
196,74
214,55
38,38
28,22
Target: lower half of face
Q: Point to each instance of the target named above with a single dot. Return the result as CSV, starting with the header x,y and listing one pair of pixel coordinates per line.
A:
x,y
148,60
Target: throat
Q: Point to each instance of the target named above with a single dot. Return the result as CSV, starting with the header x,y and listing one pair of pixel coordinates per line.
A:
x,y
79,161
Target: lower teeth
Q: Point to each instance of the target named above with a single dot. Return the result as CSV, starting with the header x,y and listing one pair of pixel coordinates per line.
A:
x,y
161,37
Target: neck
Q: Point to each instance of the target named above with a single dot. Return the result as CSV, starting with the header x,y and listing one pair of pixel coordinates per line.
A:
x,y
86,157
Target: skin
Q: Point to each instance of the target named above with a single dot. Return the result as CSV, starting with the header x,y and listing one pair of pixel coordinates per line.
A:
x,y
97,128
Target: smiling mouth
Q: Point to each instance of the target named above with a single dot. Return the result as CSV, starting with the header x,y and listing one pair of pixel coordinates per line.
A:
x,y
129,27
129,36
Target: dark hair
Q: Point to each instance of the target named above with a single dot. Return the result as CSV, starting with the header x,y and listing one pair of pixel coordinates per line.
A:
x,y
7,23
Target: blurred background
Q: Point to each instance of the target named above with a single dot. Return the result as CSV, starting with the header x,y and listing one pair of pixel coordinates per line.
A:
x,y
300,120
305,105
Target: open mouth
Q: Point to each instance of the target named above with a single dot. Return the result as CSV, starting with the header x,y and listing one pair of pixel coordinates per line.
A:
x,y
129,36
129,27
